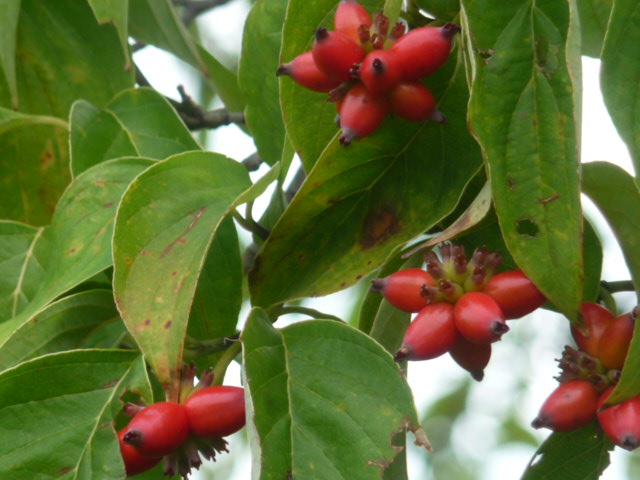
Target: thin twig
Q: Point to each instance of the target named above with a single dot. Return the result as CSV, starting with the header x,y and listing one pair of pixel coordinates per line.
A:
x,y
252,162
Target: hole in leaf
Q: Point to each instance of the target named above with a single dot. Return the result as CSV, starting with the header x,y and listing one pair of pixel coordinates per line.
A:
x,y
527,227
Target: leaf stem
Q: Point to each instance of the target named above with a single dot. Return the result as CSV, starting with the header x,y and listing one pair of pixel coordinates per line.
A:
x,y
223,362
618,286
250,224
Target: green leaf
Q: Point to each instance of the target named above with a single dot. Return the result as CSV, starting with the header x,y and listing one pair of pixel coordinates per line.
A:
x,y
257,76
63,325
522,113
218,297
359,203
117,13
10,120
582,454
79,240
316,406
164,227
474,214
308,117
224,81
138,122
594,15
21,269
620,73
616,196
614,192
35,170
56,414
156,22
64,55
9,12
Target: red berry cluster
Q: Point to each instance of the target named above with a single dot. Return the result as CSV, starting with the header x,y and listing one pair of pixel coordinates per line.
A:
x,y
370,71
462,305
182,432
588,376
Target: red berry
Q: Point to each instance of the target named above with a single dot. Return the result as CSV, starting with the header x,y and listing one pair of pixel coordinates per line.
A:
x,y
361,113
570,406
303,71
157,430
349,16
134,462
380,71
595,319
621,423
423,50
431,334
413,101
515,293
335,54
615,340
473,357
216,411
402,288
479,318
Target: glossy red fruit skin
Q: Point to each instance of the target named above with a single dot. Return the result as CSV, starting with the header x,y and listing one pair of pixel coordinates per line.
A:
x,y
216,411
412,101
380,71
349,16
621,423
134,462
479,318
361,113
423,50
303,71
335,54
402,288
570,406
473,357
515,293
158,430
595,320
431,334
615,340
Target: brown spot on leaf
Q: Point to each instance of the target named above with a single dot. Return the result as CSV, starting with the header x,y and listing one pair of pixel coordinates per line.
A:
x,y
358,277
549,199
167,325
511,183
197,215
174,273
110,384
100,183
108,205
63,471
73,250
301,258
379,225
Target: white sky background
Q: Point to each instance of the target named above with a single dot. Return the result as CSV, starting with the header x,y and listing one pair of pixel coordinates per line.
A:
x,y
543,333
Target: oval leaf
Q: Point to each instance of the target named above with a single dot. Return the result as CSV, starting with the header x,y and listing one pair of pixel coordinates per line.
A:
x,y
164,227
529,137
315,400
620,74
56,414
138,122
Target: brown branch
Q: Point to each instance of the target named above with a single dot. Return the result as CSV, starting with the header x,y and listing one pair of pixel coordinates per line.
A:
x,y
196,118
